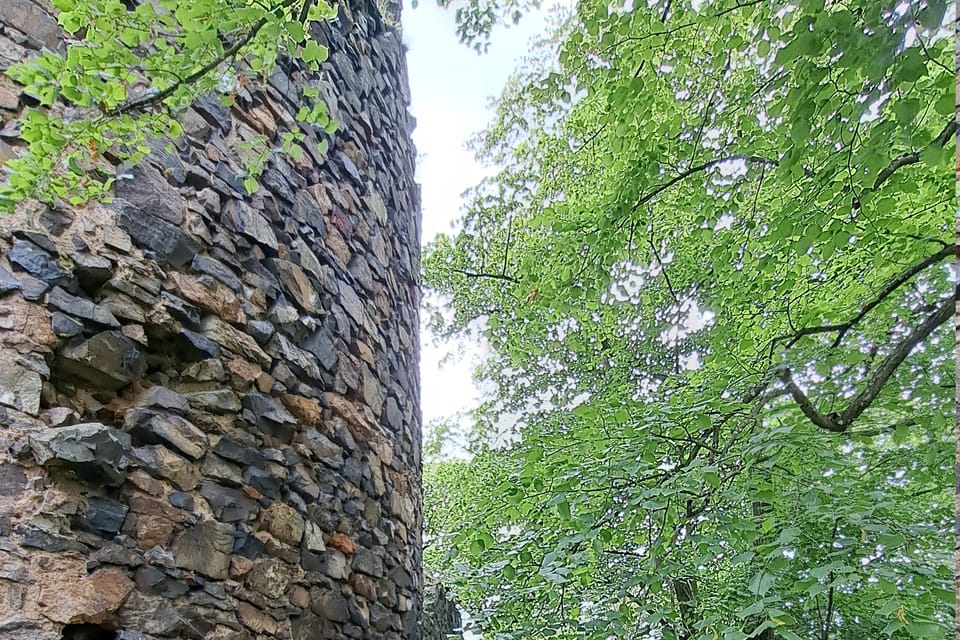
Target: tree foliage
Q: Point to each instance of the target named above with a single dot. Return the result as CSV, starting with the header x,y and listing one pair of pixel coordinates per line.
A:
x,y
712,269
130,69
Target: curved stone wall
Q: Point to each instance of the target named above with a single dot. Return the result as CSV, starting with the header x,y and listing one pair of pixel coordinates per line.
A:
x,y
209,402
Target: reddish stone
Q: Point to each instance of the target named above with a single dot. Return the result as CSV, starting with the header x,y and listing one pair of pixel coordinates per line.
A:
x,y
307,411
342,543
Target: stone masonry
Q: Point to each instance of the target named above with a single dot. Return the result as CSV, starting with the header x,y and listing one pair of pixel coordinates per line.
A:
x,y
209,401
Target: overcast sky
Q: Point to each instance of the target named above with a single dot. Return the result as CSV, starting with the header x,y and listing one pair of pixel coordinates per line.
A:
x,y
450,86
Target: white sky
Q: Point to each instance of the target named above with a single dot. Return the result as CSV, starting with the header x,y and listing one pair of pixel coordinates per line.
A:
x,y
451,85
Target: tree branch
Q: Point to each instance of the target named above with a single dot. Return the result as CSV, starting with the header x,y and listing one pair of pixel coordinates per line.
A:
x,y
895,283
914,156
697,169
494,276
155,97
839,422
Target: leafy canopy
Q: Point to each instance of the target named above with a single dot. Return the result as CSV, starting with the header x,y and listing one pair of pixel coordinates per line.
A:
x,y
712,272
130,69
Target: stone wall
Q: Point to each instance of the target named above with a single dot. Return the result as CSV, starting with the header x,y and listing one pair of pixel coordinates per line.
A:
x,y
209,402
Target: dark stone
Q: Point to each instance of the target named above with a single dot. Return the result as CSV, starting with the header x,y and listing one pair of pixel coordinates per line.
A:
x,y
81,308
321,344
215,401
64,325
37,539
394,416
181,500
181,310
32,288
92,452
218,270
229,505
160,427
367,562
149,580
103,517
165,240
270,415
149,193
164,398
108,360
213,112
55,221
39,264
8,282
37,238
92,271
12,479
230,449
260,330
205,548
246,545
190,346
330,606
262,481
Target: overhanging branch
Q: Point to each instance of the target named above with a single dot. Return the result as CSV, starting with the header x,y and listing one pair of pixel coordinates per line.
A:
x,y
839,422
895,283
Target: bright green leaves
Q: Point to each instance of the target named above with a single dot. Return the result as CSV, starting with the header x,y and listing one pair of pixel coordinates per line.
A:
x,y
132,75
313,54
636,462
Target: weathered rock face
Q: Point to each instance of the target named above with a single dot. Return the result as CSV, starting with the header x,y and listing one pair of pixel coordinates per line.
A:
x,y
209,401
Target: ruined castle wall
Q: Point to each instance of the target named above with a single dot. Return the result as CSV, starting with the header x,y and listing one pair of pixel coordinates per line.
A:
x,y
209,402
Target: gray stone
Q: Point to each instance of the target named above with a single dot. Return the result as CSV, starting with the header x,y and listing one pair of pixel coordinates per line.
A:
x,y
166,241
38,263
321,344
216,401
229,505
218,270
160,461
181,500
92,452
151,194
12,479
313,537
263,481
65,326
20,388
232,450
190,346
249,222
367,562
91,270
330,606
156,427
31,20
216,468
205,548
8,282
270,415
108,360
102,516
81,308
304,363
261,330
163,398
323,449
181,310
